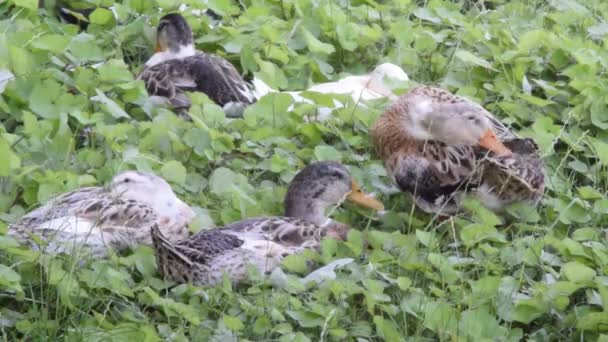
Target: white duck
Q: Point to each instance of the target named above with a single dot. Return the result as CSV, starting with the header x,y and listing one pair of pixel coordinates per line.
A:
x,y
367,87
118,216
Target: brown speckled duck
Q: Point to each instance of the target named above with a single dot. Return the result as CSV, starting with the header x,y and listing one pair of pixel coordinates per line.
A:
x,y
177,67
117,216
438,147
263,242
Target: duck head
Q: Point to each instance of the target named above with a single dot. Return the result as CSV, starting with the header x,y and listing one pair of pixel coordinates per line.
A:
x,y
452,124
322,185
382,73
173,39
155,192
173,33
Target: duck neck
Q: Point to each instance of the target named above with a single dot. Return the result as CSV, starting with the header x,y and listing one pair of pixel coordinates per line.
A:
x,y
390,133
311,211
183,51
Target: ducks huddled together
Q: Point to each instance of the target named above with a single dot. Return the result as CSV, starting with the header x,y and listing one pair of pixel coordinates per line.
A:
x,y
437,147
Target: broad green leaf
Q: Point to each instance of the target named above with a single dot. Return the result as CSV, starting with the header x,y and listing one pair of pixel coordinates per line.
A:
x,y
386,329
440,318
315,45
593,321
271,74
469,58
527,310
404,283
577,272
54,43
101,16
233,323
601,149
295,263
29,4
9,279
174,171
326,152
109,105
347,35
22,61
10,160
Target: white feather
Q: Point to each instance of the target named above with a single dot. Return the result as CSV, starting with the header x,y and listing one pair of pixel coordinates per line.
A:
x,y
163,56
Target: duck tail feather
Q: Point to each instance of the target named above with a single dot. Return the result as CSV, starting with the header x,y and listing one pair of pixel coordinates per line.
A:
x,y
164,246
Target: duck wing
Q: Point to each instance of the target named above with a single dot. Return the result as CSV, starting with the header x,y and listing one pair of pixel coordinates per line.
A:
x,y
202,72
286,231
94,204
207,244
524,166
434,173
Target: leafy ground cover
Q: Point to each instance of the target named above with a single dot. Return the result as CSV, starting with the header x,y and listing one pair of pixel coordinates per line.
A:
x,y
68,121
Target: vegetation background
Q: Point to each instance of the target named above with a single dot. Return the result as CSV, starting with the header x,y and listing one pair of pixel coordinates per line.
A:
x,y
68,121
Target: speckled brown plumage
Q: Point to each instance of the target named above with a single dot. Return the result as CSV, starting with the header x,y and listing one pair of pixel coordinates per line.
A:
x,y
436,173
117,216
263,242
179,68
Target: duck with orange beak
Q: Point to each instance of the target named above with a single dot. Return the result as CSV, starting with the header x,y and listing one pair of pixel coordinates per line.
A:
x,y
439,147
263,242
177,67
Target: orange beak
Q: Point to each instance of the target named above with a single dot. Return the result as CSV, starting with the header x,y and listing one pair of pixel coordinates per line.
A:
x,y
490,142
158,48
359,197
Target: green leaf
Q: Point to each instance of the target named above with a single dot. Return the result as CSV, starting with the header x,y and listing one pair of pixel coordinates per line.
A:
x,y
84,48
480,325
101,16
601,149
577,272
10,160
527,310
174,171
593,321
440,318
425,14
109,105
54,43
448,274
469,58
315,45
22,61
404,283
29,4
326,152
232,323
295,263
9,279
271,74
386,329
347,35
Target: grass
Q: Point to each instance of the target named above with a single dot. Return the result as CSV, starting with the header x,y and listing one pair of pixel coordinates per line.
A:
x,y
540,66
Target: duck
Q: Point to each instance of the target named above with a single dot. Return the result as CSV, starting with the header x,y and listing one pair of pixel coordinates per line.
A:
x,y
371,86
203,258
177,67
102,218
439,147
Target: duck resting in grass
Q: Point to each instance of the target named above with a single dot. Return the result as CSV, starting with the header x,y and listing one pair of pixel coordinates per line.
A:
x,y
95,219
439,147
177,67
372,86
263,242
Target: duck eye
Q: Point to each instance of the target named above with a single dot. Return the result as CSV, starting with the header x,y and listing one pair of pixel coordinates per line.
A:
x,y
127,180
